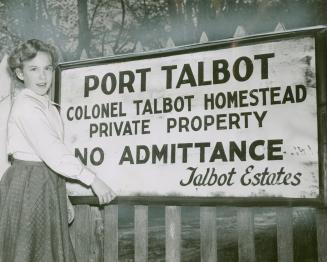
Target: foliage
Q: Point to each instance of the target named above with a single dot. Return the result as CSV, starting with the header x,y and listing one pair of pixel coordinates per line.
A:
x,y
106,27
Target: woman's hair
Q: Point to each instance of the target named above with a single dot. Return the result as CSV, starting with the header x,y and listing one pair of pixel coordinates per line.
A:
x,y
28,50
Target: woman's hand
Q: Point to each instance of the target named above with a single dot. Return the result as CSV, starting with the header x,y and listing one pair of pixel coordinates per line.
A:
x,y
104,193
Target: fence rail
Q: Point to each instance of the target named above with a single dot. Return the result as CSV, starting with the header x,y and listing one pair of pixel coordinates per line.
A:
x,y
96,235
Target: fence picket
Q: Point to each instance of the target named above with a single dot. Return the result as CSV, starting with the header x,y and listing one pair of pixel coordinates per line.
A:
x,y
208,234
285,234
170,43
138,47
141,233
246,246
240,31
321,221
279,27
83,55
82,237
107,50
111,233
173,233
204,38
96,234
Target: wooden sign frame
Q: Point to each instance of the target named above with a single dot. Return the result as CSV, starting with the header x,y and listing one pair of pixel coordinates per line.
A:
x,y
320,36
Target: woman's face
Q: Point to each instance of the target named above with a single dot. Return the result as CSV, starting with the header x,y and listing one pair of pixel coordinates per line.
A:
x,y
37,73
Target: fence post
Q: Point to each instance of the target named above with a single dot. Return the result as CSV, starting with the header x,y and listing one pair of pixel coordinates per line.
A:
x,y
246,245
110,242
208,234
208,219
97,234
141,233
82,232
173,219
173,233
321,222
285,234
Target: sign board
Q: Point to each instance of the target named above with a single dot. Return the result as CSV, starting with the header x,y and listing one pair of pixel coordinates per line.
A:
x,y
234,119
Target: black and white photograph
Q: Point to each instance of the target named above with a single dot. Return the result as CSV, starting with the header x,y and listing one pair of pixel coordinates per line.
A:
x,y
168,130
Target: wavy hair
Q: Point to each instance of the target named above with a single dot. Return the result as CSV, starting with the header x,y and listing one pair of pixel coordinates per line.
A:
x,y
28,50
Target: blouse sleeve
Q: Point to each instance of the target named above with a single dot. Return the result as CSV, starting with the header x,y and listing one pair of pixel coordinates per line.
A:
x,y
45,141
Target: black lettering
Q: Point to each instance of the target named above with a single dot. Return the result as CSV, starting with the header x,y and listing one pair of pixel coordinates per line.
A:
x,y
69,117
160,154
300,93
264,63
126,156
142,158
186,71
169,77
248,68
98,151
193,170
274,147
126,83
220,67
202,147
252,148
112,85
201,81
88,86
254,96
234,149
247,171
82,157
184,147
143,72
297,178
288,96
218,153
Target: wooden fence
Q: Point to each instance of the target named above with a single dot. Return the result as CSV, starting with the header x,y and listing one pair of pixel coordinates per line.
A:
x,y
96,236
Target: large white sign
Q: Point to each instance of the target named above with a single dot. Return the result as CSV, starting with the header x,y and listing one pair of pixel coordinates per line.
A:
x,y
232,122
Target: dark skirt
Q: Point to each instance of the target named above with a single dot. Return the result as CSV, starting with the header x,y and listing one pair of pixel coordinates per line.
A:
x,y
33,215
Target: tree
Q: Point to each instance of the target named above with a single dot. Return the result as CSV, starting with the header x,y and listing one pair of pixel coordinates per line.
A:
x,y
104,27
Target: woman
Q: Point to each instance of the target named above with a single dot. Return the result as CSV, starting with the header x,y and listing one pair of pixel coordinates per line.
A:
x,y
33,207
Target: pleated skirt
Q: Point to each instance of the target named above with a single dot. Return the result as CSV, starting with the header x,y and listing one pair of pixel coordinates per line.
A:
x,y
33,215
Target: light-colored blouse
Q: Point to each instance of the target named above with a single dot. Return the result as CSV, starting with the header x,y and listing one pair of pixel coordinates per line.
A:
x,y
35,133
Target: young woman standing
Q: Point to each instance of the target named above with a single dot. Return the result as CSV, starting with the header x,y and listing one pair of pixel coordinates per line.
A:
x,y
33,203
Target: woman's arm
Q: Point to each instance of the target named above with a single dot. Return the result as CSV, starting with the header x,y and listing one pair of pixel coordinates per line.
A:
x,y
47,143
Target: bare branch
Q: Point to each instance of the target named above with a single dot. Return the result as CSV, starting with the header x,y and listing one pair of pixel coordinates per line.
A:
x,y
99,3
54,28
103,40
84,36
122,24
123,45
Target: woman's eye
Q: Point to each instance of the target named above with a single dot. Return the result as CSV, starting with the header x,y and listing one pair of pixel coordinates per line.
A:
x,y
49,68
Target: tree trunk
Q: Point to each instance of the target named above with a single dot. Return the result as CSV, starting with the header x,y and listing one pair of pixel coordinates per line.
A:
x,y
84,34
175,22
203,16
190,31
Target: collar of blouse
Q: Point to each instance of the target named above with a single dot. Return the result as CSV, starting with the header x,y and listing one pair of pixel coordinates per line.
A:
x,y
43,99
